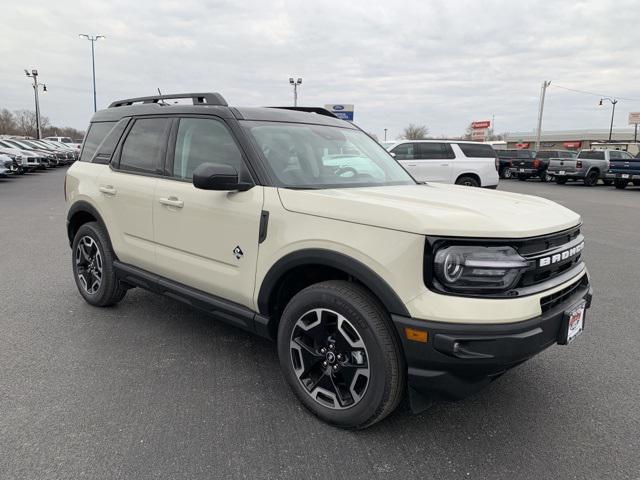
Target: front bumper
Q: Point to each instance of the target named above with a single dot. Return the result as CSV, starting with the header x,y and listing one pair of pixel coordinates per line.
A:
x,y
460,359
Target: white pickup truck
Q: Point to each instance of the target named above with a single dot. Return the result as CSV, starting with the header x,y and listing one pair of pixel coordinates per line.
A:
x,y
589,166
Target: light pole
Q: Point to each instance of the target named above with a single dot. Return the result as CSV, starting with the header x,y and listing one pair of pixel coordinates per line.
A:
x,y
93,39
613,112
385,134
543,92
295,84
34,74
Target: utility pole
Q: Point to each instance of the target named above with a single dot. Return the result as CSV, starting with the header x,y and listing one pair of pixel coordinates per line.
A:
x,y
34,74
385,134
613,112
93,39
295,84
543,92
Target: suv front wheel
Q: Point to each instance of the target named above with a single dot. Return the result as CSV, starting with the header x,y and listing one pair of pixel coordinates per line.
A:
x,y
339,354
92,264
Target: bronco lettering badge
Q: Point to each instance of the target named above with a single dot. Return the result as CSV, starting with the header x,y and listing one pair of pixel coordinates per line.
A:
x,y
558,257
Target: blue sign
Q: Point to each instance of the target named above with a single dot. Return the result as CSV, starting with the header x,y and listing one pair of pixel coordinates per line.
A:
x,y
342,111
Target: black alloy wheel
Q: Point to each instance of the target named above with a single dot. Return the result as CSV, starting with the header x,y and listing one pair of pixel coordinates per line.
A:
x,y
591,179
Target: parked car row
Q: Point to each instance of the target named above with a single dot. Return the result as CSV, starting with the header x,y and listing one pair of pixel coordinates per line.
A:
x,y
588,166
18,155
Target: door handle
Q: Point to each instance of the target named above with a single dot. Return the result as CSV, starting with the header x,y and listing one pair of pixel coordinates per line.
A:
x,y
171,202
411,165
444,164
107,189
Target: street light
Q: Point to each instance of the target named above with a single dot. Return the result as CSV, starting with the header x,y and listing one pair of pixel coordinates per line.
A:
x,y
295,84
613,112
34,74
93,39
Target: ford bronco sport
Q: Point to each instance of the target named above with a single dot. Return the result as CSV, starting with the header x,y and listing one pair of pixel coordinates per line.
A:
x,y
299,227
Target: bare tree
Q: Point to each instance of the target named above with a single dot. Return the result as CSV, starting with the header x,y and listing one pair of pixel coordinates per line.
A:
x,y
26,123
415,132
7,122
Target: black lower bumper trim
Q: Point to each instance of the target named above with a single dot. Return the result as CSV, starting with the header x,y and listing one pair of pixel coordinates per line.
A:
x,y
459,359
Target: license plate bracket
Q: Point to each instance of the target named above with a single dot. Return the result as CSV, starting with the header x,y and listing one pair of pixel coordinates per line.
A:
x,y
573,323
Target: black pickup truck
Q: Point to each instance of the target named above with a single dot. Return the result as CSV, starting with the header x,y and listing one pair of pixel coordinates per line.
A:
x,y
537,166
625,169
509,159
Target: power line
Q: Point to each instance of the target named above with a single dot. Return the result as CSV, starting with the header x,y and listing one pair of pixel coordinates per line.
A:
x,y
601,95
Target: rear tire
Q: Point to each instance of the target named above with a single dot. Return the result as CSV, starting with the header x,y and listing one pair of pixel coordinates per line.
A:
x,y
340,355
92,264
620,184
561,181
467,181
591,180
506,173
607,182
523,178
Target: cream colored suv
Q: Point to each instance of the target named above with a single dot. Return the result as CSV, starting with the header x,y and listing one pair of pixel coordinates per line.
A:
x,y
299,227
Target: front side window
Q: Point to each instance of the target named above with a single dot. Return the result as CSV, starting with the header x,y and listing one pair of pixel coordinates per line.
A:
x,y
203,140
435,151
405,151
320,156
144,146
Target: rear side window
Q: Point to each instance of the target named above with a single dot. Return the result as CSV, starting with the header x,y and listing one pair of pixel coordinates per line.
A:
x,y
435,151
405,151
548,154
592,154
478,150
95,135
613,155
203,140
143,149
108,145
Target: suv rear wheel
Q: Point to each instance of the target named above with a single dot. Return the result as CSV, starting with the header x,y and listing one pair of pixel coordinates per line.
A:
x,y
468,181
339,354
93,266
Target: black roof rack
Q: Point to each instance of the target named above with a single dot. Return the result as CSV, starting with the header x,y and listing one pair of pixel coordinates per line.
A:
x,y
197,98
318,110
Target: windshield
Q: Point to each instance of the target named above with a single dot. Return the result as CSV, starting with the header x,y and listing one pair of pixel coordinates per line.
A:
x,y
318,156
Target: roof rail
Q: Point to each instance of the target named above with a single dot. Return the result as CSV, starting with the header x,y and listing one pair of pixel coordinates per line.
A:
x,y
197,98
318,110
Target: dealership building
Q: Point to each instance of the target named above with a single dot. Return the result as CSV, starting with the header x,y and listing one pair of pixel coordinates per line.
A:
x,y
567,139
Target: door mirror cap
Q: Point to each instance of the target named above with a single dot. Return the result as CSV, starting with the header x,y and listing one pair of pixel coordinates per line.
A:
x,y
392,154
218,176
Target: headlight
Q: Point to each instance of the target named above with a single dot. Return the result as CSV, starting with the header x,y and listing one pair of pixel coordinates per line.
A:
x,y
477,269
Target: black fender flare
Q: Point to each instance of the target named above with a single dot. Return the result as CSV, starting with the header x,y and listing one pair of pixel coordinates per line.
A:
x,y
82,206
339,261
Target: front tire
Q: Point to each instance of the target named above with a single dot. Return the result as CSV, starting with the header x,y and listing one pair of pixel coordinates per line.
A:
x,y
523,178
340,355
92,263
561,180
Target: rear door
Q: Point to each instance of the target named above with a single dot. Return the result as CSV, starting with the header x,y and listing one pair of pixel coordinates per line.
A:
x,y
127,189
206,239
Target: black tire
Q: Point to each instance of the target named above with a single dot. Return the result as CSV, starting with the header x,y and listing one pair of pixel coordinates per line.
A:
x,y
109,290
620,184
636,183
506,174
468,181
546,177
523,178
384,361
561,180
607,181
591,180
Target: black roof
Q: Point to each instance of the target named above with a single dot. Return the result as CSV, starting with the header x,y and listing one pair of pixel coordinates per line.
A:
x,y
215,104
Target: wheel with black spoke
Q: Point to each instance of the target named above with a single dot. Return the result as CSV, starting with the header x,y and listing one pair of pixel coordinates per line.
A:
x,y
93,266
340,355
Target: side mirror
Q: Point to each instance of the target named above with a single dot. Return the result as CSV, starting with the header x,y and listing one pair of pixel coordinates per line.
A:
x,y
392,154
217,176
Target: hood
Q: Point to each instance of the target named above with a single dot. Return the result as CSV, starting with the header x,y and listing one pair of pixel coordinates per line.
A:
x,y
435,209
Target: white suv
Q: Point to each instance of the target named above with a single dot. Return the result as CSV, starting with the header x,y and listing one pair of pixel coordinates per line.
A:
x,y
301,228
447,161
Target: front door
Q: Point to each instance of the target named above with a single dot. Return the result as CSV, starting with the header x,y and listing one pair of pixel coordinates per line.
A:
x,y
206,239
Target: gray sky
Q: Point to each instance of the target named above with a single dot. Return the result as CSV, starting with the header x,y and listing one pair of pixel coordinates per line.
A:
x,y
439,63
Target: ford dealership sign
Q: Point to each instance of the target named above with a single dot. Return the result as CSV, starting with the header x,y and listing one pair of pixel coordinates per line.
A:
x,y
341,110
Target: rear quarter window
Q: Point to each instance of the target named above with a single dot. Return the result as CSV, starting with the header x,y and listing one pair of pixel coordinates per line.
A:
x,y
592,154
478,150
96,133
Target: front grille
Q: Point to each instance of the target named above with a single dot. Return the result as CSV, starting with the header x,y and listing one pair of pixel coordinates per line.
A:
x,y
536,248
550,301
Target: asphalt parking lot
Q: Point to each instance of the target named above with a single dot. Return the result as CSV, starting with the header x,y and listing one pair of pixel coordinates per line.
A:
x,y
155,389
